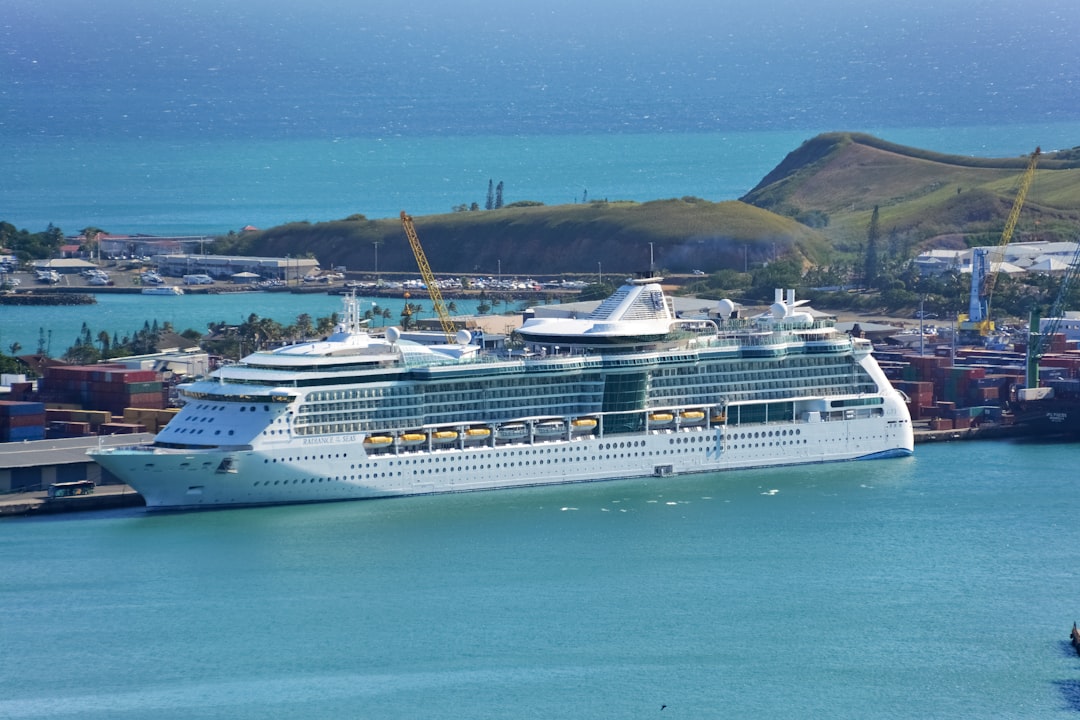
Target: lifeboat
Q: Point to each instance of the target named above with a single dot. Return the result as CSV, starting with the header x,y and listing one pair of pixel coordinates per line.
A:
x,y
718,418
411,439
581,425
511,431
477,434
548,428
661,419
692,417
377,442
444,436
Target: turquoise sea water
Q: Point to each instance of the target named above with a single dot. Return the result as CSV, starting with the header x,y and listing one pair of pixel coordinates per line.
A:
x,y
125,314
941,585
155,186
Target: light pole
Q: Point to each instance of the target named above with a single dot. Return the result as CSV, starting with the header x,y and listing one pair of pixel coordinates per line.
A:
x,y
599,273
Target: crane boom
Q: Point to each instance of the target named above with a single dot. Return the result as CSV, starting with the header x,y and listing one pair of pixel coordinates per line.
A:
x,y
429,278
983,277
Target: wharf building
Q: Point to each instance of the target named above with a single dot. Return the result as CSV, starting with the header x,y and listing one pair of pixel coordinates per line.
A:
x,y
289,269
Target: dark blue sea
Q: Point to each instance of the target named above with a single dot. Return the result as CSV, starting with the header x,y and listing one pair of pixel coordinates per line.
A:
x,y
939,586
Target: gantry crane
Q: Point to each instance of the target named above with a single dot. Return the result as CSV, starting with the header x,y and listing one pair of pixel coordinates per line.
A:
x,y
429,279
1039,337
983,276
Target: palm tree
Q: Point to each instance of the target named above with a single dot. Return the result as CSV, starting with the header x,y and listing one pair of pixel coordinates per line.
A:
x,y
304,326
325,325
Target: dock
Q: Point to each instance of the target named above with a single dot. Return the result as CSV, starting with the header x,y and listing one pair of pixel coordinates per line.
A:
x,y
104,497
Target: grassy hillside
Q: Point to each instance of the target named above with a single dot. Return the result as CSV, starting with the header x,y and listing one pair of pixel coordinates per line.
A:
x,y
815,206
686,234
922,196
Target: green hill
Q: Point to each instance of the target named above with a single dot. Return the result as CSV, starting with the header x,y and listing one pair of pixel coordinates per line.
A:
x,y
685,234
814,206
923,197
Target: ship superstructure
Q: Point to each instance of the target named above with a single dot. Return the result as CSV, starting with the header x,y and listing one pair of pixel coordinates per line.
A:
x,y
631,390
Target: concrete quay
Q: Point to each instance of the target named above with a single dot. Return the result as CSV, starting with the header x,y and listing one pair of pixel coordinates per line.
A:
x,y
105,497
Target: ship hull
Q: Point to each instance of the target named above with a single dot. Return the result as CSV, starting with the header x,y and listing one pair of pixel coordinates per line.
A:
x,y
1050,418
339,468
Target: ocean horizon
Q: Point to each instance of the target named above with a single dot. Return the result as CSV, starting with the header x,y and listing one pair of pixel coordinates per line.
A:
x,y
209,187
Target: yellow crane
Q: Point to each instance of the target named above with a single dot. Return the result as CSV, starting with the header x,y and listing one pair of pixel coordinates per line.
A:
x,y
429,279
983,276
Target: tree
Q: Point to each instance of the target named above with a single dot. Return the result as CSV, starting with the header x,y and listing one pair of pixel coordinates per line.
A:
x,y
407,313
784,273
83,351
873,235
325,325
15,348
304,326
499,195
92,240
490,196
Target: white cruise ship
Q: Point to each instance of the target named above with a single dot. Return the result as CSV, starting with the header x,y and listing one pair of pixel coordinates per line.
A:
x,y
629,391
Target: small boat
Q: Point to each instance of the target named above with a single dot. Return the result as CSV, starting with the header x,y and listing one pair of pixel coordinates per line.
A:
x,y
718,418
549,427
580,425
661,419
692,417
411,439
163,290
378,441
511,431
1074,637
444,436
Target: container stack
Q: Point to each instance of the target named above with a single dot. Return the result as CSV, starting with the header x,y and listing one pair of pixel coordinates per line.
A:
x,y
92,418
121,428
920,395
21,421
152,420
103,387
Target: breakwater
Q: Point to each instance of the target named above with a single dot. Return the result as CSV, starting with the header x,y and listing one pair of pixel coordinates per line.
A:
x,y
47,298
